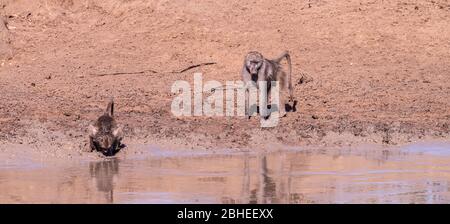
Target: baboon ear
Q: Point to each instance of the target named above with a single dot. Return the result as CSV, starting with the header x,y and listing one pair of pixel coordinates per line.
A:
x,y
92,130
117,132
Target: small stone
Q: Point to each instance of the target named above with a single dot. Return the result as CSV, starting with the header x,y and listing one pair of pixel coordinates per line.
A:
x,y
304,79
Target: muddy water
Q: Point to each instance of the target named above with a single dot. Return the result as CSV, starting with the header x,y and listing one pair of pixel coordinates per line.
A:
x,y
412,174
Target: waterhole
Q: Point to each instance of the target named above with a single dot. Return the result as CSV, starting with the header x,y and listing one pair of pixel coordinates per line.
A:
x,y
418,173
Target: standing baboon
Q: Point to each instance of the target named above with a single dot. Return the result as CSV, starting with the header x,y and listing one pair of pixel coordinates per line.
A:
x,y
257,68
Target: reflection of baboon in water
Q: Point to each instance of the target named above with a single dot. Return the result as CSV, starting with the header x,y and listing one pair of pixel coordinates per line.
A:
x,y
269,186
267,189
103,172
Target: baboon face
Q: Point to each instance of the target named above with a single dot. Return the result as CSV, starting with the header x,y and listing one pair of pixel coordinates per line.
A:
x,y
104,142
253,62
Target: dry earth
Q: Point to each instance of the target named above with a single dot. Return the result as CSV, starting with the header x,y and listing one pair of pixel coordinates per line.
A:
x,y
364,71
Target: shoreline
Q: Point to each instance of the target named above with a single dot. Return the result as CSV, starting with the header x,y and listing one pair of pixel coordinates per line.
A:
x,y
58,145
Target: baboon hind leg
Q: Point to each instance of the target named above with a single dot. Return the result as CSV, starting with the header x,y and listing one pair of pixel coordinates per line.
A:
x,y
282,104
283,88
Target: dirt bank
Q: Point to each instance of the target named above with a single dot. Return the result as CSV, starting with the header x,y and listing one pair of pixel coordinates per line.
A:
x,y
5,42
377,71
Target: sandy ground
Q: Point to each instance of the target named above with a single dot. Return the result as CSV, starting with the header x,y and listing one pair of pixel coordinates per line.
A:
x,y
363,71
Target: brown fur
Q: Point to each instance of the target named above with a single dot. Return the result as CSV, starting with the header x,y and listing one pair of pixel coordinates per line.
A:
x,y
105,135
257,68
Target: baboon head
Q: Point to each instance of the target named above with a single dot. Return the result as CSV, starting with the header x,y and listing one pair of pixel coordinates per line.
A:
x,y
253,62
105,140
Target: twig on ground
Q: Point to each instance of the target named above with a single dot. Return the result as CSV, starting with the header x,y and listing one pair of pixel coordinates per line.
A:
x,y
153,71
125,73
226,87
194,66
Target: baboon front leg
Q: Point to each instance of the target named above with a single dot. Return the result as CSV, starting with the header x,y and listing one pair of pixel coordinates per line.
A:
x,y
247,104
250,104
91,144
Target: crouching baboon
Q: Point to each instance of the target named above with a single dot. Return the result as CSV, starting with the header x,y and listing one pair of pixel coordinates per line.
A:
x,y
105,135
257,68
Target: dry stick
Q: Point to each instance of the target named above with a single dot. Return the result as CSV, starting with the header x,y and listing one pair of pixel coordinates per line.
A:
x,y
126,73
227,87
194,66
153,71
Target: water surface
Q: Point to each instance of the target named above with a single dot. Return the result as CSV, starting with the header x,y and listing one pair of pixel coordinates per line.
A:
x,y
414,174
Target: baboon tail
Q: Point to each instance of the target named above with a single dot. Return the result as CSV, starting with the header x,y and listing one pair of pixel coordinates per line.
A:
x,y
110,108
286,55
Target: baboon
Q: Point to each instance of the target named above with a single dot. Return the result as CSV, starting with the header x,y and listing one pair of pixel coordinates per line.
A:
x,y
105,135
257,68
